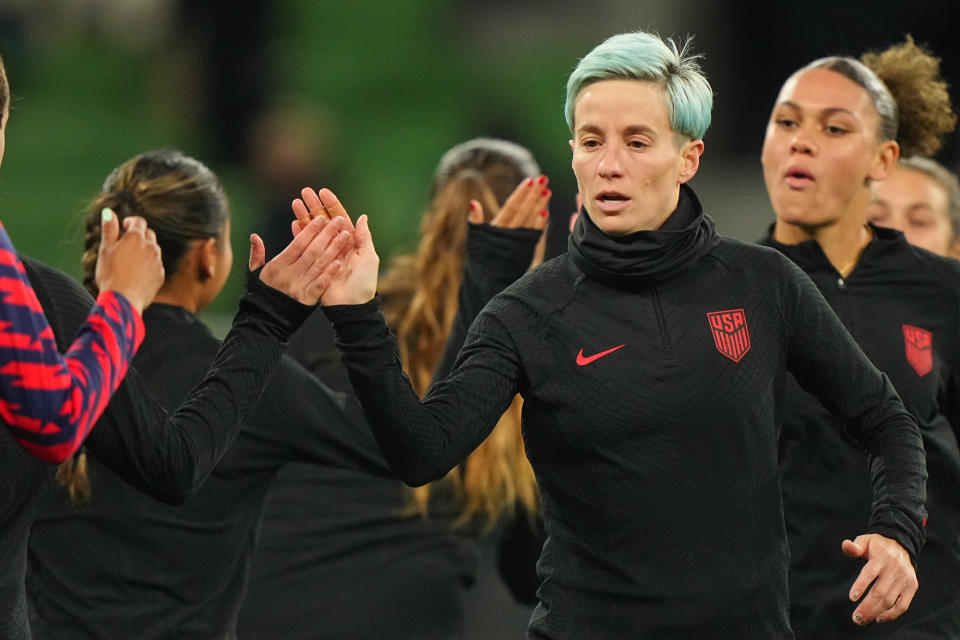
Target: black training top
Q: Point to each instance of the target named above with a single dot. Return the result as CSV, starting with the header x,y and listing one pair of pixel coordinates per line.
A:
x,y
364,567
652,367
167,455
181,571
902,305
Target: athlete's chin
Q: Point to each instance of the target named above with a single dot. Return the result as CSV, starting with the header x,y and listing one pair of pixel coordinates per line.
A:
x,y
798,213
615,225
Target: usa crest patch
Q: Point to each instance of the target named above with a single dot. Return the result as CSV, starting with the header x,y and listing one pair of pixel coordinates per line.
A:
x,y
730,333
919,348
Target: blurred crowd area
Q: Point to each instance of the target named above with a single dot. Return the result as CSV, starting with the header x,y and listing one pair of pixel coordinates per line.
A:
x,y
364,96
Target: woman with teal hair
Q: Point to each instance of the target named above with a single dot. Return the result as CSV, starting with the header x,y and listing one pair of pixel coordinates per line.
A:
x,y
651,359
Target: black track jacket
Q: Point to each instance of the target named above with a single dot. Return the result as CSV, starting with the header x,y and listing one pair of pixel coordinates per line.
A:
x,y
652,367
902,305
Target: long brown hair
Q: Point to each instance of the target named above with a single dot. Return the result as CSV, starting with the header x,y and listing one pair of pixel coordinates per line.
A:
x,y
420,303
182,201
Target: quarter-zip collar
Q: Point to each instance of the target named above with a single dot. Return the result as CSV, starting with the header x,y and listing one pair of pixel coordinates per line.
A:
x,y
809,256
643,258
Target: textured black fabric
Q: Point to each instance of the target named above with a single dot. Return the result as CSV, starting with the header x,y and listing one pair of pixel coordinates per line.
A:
x,y
826,484
657,462
361,567
133,418
136,572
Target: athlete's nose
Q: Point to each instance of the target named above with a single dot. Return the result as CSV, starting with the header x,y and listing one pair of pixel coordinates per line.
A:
x,y
610,165
803,142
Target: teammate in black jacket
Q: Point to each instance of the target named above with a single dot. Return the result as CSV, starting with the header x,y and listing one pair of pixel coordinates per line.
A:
x,y
652,359
831,134
177,451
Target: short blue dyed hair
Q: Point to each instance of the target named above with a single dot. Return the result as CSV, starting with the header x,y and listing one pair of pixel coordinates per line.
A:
x,y
646,56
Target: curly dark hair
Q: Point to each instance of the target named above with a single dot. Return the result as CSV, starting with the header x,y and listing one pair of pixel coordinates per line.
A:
x,y
912,73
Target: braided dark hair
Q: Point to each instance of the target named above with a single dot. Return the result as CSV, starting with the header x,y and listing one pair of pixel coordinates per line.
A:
x,y
181,200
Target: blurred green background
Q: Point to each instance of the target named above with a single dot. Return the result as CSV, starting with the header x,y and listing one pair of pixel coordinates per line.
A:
x,y
392,83
365,96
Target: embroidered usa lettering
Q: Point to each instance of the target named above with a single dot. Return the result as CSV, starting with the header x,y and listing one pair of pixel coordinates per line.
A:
x,y
919,347
730,333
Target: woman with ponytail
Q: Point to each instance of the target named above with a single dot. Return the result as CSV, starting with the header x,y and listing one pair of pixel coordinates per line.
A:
x,y
420,294
485,215
163,570
837,128
168,455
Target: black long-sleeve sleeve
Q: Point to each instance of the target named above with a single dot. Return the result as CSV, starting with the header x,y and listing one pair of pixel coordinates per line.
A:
x,y
169,455
494,259
875,416
423,441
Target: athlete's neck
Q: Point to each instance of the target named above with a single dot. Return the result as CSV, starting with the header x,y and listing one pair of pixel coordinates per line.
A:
x,y
842,241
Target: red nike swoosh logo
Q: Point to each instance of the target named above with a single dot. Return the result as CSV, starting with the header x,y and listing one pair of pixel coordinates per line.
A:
x,y
581,360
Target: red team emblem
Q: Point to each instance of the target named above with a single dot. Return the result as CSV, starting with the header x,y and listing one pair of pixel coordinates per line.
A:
x,y
919,343
730,333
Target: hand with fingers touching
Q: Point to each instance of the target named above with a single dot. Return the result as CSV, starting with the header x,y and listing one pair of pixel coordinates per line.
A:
x,y
526,207
130,265
355,282
306,267
891,573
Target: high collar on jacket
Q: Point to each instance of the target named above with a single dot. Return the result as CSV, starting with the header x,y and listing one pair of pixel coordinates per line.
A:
x,y
173,313
809,256
643,258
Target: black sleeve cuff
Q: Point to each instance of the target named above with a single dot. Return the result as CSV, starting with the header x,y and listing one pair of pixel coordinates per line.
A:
x,y
503,254
280,315
357,324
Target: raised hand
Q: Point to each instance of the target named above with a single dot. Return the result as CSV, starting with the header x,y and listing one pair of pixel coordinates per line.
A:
x,y
526,207
896,580
356,282
130,265
309,263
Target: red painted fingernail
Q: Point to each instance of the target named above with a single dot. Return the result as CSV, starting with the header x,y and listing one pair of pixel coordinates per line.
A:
x,y
530,182
473,206
543,214
542,179
545,192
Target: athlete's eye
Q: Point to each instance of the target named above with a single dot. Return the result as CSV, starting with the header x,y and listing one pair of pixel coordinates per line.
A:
x,y
637,144
876,213
786,123
835,130
590,143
